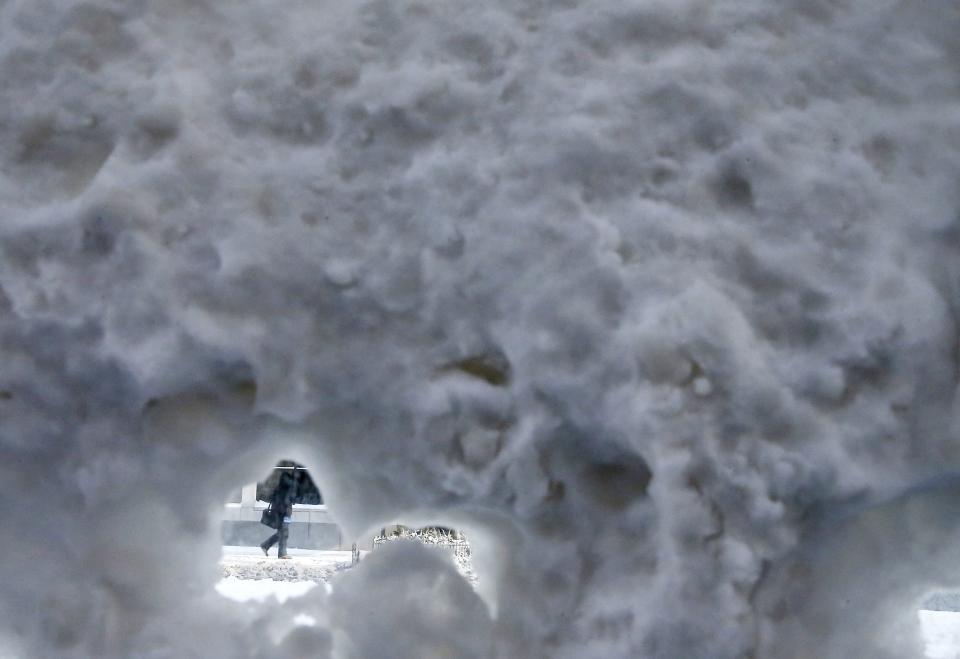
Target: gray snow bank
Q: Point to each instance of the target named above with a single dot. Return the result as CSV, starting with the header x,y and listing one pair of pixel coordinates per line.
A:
x,y
655,300
406,600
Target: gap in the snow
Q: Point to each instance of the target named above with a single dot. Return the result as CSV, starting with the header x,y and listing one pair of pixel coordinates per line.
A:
x,y
942,601
288,483
315,547
442,538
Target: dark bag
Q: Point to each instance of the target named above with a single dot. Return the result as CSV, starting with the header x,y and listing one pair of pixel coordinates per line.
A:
x,y
271,518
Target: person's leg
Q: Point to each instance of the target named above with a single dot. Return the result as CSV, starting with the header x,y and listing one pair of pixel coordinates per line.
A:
x,y
269,542
284,532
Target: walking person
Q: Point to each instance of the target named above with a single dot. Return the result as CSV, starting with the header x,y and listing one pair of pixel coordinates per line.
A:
x,y
278,514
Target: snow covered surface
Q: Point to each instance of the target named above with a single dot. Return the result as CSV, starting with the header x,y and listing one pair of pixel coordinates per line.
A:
x,y
304,564
261,590
941,631
656,300
948,601
266,590
455,544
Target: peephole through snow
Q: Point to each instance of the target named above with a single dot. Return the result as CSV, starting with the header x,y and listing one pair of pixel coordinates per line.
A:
x,y
656,301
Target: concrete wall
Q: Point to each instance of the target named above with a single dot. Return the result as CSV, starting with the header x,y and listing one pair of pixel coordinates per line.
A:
x,y
303,535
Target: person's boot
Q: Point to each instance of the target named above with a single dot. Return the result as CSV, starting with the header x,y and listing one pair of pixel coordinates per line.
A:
x,y
264,549
285,556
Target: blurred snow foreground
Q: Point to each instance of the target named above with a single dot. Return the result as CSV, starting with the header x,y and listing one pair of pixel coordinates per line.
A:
x,y
656,300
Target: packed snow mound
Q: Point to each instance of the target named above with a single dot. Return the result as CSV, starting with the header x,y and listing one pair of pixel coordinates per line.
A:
x,y
656,300
452,542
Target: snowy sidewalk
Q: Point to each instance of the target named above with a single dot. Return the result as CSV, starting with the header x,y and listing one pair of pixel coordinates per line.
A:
x,y
305,564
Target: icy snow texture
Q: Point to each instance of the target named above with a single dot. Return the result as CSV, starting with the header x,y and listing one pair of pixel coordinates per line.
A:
x,y
656,300
942,631
307,565
244,590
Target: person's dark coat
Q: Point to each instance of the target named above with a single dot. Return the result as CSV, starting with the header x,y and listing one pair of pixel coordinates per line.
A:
x,y
284,495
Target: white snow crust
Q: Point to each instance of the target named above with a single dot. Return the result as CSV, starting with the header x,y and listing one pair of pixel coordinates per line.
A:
x,y
941,629
656,300
249,563
245,590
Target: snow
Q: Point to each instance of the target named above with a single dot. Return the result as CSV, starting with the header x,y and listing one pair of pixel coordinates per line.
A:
x,y
304,565
657,301
264,590
259,590
454,543
941,631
